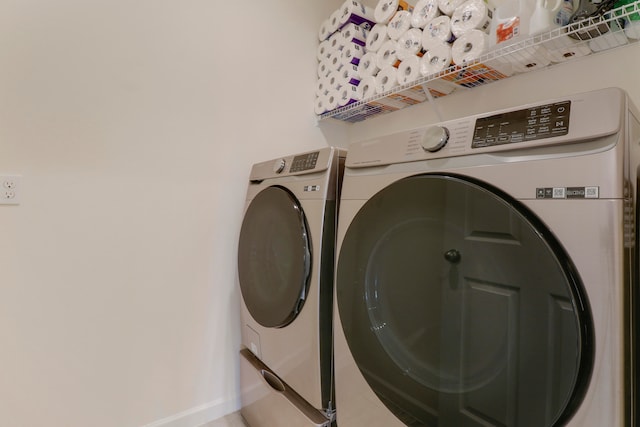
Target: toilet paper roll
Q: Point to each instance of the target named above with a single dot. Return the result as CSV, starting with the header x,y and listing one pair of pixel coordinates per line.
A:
x,y
351,54
336,41
319,107
353,11
448,6
436,58
352,33
334,81
347,95
399,24
409,44
324,31
386,79
334,21
408,70
322,86
387,55
324,68
564,48
469,47
368,65
376,38
349,74
423,12
471,15
367,88
334,60
386,9
323,50
330,100
440,28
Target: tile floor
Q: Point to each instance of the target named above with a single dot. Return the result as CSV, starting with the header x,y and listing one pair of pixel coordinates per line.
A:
x,y
231,420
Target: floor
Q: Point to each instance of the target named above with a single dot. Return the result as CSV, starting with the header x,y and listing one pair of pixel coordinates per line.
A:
x,y
231,420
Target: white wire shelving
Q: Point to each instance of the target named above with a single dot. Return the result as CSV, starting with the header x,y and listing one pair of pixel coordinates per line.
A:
x,y
591,36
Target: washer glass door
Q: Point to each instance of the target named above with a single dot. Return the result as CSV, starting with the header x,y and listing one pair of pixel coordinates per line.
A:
x,y
274,257
461,309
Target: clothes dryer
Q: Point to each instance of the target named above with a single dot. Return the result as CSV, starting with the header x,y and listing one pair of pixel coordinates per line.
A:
x,y
285,272
487,270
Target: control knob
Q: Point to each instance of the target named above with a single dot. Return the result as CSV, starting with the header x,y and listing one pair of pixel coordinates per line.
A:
x,y
435,138
279,165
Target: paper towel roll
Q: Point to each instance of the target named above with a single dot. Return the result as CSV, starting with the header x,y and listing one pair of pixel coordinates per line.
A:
x,y
368,65
349,73
471,15
409,44
355,12
469,47
385,9
423,12
387,55
386,79
352,33
564,48
351,54
436,58
367,88
439,27
323,32
448,6
399,24
408,70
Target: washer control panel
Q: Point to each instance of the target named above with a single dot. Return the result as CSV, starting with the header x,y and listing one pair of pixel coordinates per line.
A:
x,y
304,162
529,124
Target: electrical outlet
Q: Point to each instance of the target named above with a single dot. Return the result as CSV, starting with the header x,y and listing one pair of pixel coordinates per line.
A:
x,y
10,189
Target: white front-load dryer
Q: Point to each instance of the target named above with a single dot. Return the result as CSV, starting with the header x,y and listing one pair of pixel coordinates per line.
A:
x,y
286,254
487,270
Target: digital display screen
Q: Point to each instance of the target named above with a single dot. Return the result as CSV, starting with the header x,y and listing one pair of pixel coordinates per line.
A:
x,y
545,121
304,162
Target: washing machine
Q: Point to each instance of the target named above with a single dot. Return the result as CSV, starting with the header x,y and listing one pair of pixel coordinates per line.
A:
x,y
487,270
286,254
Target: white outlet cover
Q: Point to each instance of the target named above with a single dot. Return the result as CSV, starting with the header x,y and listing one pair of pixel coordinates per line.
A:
x,y
10,189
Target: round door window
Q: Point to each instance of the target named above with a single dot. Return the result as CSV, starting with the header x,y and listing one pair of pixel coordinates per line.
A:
x,y
274,257
461,309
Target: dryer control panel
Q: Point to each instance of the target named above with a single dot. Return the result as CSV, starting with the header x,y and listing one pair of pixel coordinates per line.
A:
x,y
539,122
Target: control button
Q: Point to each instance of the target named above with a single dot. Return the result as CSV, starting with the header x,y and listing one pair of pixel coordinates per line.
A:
x,y
435,138
279,165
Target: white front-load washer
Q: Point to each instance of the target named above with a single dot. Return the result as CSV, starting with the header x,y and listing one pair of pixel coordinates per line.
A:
x,y
487,270
286,254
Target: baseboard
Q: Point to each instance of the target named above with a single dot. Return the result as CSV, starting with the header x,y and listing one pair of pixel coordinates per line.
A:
x,y
199,415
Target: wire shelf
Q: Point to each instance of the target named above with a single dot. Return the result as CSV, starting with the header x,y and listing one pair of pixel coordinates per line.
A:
x,y
591,35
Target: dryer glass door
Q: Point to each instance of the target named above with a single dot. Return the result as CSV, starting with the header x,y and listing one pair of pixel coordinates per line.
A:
x,y
274,257
461,309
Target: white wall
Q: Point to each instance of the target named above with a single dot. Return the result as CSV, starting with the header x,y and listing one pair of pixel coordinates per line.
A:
x,y
134,125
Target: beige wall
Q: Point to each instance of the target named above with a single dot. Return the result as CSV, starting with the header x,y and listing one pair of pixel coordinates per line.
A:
x,y
134,125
